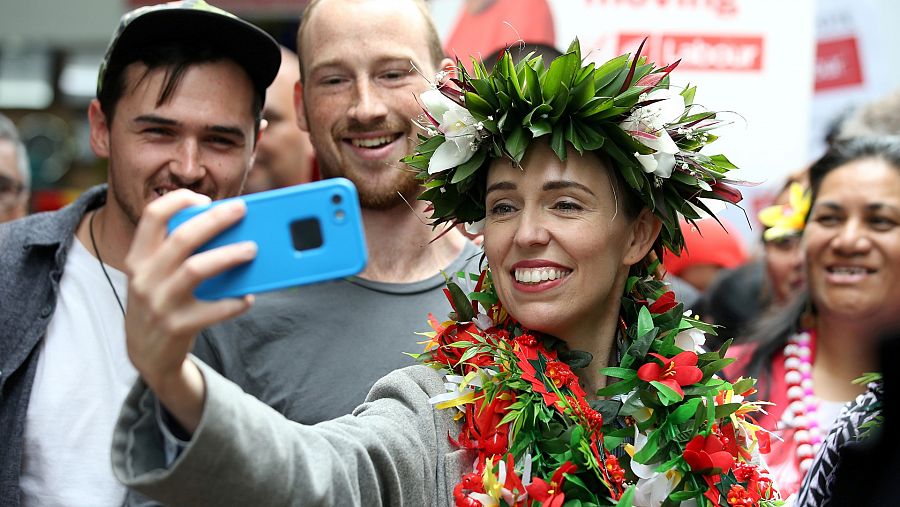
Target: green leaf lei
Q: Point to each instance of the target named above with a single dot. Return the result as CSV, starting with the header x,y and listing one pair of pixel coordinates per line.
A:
x,y
540,440
618,108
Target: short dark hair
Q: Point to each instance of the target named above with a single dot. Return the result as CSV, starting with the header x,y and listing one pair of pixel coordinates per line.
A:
x,y
844,151
176,58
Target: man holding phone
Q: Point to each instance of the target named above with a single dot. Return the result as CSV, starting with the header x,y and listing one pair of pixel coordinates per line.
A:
x,y
313,352
178,105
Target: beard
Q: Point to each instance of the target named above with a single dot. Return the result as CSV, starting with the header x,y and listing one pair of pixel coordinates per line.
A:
x,y
406,189
394,187
380,186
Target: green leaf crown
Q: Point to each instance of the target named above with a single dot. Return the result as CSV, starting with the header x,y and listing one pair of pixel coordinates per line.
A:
x,y
614,108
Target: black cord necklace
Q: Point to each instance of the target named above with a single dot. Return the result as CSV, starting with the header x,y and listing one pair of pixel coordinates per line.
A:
x,y
100,259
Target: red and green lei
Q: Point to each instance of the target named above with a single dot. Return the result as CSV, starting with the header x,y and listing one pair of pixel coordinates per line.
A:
x,y
664,430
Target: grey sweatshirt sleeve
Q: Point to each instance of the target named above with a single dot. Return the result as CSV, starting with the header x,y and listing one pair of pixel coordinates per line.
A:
x,y
393,450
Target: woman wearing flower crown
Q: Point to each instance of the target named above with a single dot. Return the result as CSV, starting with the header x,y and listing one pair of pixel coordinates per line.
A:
x,y
808,357
568,375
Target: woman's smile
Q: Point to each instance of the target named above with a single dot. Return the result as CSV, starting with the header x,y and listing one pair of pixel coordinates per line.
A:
x,y
538,275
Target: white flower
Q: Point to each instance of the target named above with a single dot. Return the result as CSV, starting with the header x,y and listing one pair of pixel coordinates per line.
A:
x,y
647,125
652,492
691,339
652,487
633,406
461,132
641,470
475,227
483,322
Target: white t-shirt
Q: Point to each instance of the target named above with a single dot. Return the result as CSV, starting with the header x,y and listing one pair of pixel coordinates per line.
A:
x,y
83,375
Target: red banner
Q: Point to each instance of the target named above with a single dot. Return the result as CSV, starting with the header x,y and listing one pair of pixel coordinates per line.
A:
x,y
837,64
700,52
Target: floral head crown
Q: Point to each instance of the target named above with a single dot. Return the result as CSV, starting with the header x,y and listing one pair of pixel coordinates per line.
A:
x,y
785,220
624,108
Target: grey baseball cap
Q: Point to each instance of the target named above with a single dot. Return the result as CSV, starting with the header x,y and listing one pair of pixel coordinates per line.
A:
x,y
188,21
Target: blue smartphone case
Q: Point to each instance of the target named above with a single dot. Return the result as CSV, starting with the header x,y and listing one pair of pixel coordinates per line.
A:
x,y
306,234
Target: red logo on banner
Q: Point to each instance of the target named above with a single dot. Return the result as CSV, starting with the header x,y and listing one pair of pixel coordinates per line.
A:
x,y
837,64
699,52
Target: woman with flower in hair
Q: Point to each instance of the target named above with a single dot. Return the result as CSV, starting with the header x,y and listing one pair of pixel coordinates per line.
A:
x,y
808,356
739,298
567,375
783,223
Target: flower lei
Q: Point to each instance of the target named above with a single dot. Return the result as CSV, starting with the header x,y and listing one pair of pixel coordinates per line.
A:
x,y
624,108
801,406
540,441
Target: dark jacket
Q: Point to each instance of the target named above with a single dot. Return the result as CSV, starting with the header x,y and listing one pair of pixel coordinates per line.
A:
x,y
33,254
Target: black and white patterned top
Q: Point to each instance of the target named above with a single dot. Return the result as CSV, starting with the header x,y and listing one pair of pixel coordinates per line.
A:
x,y
816,489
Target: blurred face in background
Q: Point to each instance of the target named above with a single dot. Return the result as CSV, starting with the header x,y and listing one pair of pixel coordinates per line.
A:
x,y
784,265
284,155
852,243
784,258
13,198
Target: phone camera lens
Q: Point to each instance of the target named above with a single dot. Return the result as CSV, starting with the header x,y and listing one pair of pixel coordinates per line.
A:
x,y
336,199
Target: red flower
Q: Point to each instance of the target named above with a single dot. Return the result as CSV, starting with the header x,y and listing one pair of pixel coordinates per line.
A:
x,y
470,483
746,472
560,374
681,370
616,473
765,488
727,192
739,497
665,303
590,418
765,444
733,442
482,430
526,340
757,486
445,354
551,495
555,372
707,455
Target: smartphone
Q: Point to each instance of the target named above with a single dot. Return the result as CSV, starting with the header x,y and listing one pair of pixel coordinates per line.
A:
x,y
305,234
